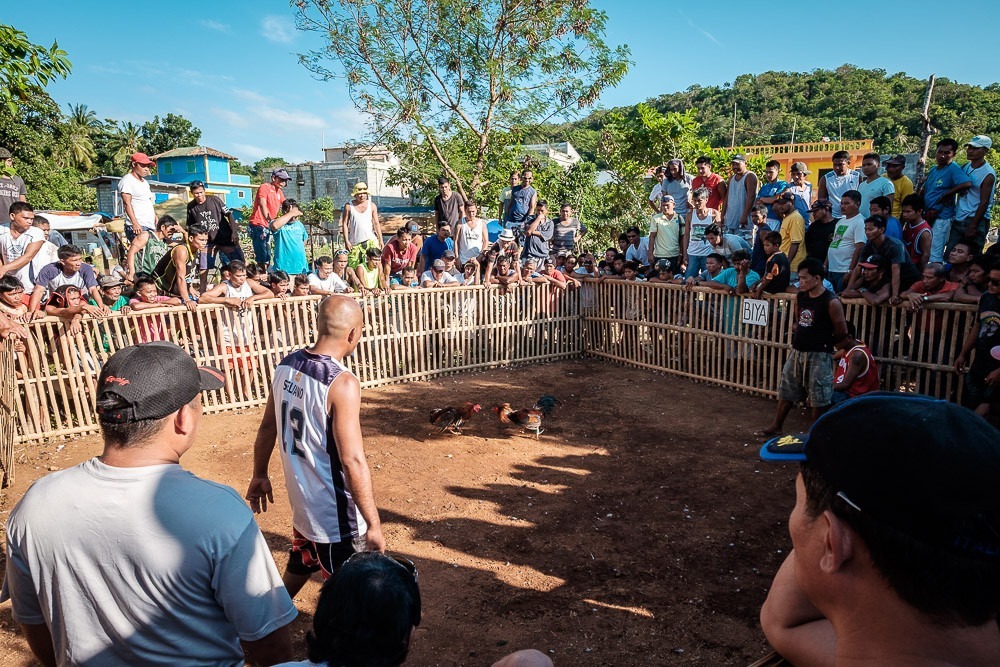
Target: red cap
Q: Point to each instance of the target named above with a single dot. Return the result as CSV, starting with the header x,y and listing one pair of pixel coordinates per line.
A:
x,y
142,158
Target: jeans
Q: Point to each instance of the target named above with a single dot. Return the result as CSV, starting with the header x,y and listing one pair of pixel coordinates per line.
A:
x,y
261,237
695,266
837,280
939,238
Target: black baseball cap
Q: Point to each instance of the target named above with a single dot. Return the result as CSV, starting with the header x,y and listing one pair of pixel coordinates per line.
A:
x,y
154,379
926,467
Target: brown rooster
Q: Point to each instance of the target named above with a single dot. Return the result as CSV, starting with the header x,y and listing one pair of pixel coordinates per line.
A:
x,y
529,418
450,419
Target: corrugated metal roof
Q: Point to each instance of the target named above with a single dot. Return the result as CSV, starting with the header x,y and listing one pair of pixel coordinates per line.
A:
x,y
192,151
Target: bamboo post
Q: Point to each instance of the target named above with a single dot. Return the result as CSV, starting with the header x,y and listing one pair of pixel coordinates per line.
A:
x,y
926,131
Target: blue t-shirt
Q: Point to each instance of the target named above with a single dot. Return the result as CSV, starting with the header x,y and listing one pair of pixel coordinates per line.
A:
x,y
520,203
769,190
939,181
290,248
730,277
893,229
433,248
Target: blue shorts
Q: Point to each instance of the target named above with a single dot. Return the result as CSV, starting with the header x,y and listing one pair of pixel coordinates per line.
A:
x,y
261,237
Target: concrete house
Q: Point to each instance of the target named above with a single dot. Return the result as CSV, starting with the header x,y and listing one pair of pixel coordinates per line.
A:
x,y
342,167
201,163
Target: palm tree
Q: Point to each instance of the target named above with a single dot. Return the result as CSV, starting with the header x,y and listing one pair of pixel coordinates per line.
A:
x,y
82,125
83,116
126,140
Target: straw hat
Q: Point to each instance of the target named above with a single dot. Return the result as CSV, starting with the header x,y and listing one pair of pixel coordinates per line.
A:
x,y
360,188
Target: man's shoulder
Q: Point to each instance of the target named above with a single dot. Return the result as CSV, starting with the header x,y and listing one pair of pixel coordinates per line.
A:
x,y
48,272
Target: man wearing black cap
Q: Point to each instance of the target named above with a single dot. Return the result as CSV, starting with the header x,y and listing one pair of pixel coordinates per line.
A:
x,y
127,559
895,535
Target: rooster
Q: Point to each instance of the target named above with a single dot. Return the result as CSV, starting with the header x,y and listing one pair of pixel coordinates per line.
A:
x,y
529,418
450,419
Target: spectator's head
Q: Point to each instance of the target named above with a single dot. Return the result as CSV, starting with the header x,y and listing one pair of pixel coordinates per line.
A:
x,y
324,264
144,289
845,343
278,281
935,274
741,255
287,205
841,162
6,157
772,243
630,270
468,270
821,211
366,613
141,164
978,147
772,170
609,253
403,236
663,271
962,252
619,264
22,216
570,263
872,269
70,257
166,226
739,163
144,388
301,284
715,263
471,209
875,228
449,258
527,177
870,164
515,177
660,172
623,242
198,193
549,265
11,290
784,203
198,237
881,206
338,264
993,283
111,288
946,149
237,273
280,178
66,296
916,495
811,274
758,214
633,236
894,167
542,206
503,265
560,258
703,165
252,268
667,205
850,203
443,230
530,266
225,271
410,274
675,170
372,256
42,223
799,172
911,209
979,270
565,211
700,196
713,234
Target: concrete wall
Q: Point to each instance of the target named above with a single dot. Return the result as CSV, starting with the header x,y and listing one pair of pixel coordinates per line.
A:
x,y
321,179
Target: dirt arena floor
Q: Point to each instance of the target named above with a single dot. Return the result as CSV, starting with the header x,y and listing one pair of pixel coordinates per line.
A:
x,y
639,529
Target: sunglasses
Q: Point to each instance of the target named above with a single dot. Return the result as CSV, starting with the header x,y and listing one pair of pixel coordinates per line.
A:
x,y
995,282
340,252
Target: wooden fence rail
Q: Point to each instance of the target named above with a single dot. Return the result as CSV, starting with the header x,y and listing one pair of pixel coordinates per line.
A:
x,y
416,335
698,333
8,414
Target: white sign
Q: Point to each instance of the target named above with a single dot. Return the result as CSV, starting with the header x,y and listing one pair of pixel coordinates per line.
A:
x,y
755,312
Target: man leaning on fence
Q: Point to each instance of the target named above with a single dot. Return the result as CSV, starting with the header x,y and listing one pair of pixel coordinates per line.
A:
x,y
128,559
818,324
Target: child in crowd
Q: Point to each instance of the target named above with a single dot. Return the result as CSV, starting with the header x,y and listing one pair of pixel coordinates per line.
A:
x,y
663,275
301,286
370,276
12,298
777,270
278,281
152,327
115,301
408,278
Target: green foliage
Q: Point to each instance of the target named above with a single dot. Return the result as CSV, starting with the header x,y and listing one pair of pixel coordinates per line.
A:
x,y
320,211
173,131
26,68
237,167
261,170
446,68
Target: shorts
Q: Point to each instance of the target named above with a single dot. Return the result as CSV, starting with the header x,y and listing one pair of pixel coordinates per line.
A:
x,y
239,356
228,253
356,255
261,238
807,375
307,557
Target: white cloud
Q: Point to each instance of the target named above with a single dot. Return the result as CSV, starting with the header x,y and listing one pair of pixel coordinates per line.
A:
x,y
215,25
251,95
248,153
706,33
279,29
348,124
289,119
231,118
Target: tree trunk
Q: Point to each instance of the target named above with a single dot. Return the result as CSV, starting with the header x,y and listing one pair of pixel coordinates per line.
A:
x,y
927,130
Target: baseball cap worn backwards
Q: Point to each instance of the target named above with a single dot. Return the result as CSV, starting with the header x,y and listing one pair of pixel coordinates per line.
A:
x,y
153,380
925,467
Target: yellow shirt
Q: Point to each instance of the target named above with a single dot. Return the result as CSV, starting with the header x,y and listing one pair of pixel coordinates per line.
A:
x,y
793,230
904,187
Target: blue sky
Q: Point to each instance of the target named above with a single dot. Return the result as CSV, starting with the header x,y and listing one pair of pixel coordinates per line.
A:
x,y
230,66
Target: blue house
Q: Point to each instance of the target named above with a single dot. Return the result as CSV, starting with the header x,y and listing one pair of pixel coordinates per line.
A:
x,y
201,163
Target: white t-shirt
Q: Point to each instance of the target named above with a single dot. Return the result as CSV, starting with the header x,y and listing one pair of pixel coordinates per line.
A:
x,y
141,566
445,279
47,254
849,231
968,201
880,187
11,249
639,254
142,200
332,284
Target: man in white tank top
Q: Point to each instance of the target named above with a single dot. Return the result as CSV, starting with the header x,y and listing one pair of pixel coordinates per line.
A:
x,y
314,413
359,225
470,234
741,194
236,322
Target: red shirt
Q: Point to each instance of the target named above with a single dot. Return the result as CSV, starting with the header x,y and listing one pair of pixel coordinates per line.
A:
x,y
266,204
865,382
712,182
397,260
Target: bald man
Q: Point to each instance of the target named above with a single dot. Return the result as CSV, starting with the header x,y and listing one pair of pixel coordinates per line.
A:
x,y
314,409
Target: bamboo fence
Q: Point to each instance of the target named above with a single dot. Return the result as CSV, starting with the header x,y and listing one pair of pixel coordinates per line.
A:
x,y
698,333
8,416
693,333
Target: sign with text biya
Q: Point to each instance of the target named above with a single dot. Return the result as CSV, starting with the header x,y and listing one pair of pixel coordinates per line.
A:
x,y
755,312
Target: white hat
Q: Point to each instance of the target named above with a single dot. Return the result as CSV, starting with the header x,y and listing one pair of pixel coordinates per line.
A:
x,y
980,141
506,235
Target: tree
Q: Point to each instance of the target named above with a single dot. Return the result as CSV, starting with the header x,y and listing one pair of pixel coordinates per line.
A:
x,y
83,125
440,67
261,169
25,68
174,131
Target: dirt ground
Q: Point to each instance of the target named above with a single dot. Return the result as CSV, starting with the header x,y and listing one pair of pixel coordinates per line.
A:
x,y
639,529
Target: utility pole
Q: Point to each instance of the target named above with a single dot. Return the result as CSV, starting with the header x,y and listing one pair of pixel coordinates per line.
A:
x,y
927,130
732,144
795,124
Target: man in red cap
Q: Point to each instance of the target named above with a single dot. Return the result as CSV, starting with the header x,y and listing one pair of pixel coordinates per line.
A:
x,y
136,196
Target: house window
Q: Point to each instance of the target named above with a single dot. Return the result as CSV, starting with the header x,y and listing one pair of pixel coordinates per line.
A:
x,y
168,168
240,195
190,166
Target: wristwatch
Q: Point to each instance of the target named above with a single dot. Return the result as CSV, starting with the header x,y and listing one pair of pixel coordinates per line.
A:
x,y
924,298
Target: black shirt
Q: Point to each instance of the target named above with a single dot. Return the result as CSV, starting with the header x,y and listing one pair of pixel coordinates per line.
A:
x,y
780,270
818,238
450,210
214,215
989,336
814,332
